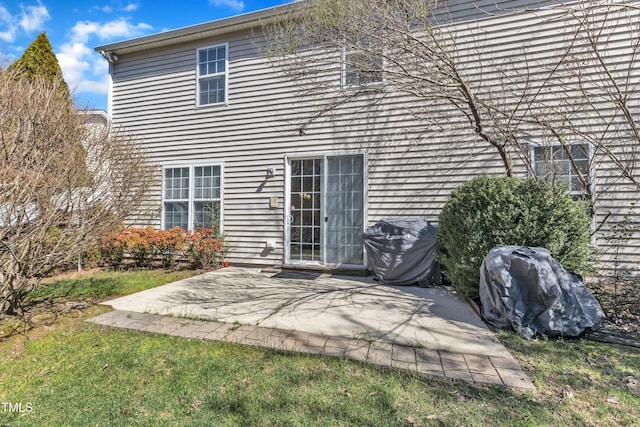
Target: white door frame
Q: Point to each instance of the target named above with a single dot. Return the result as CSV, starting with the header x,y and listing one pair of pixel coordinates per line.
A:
x,y
287,204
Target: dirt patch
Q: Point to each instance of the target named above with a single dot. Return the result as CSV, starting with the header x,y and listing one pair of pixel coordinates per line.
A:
x,y
621,303
43,312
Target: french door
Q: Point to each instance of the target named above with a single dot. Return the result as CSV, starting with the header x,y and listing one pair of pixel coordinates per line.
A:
x,y
326,214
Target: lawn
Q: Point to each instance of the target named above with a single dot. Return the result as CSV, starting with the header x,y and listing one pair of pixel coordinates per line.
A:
x,y
66,372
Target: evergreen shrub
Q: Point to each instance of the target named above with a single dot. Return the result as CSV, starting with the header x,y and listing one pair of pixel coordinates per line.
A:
x,y
491,211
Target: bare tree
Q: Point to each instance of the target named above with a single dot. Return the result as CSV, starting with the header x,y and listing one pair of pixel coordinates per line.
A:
x,y
578,85
63,183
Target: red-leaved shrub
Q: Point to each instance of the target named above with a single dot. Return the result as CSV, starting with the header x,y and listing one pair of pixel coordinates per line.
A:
x,y
202,248
206,250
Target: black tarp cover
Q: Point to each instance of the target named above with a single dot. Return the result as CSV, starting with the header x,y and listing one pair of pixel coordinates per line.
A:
x,y
525,289
402,251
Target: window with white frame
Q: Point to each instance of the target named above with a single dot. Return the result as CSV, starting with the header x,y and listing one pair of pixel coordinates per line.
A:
x,y
362,64
191,197
568,164
212,75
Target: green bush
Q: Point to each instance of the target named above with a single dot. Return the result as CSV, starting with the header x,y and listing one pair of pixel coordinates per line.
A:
x,y
489,211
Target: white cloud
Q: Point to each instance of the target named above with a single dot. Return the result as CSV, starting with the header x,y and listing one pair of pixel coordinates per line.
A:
x,y
131,7
73,61
237,5
120,28
34,17
123,28
83,30
8,25
84,70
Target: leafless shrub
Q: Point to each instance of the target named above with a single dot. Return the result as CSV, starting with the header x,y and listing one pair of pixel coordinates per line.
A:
x,y
63,183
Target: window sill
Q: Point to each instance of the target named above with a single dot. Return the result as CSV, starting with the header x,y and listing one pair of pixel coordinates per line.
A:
x,y
219,105
373,85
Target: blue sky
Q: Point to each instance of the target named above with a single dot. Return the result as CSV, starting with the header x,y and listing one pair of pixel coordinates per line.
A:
x,y
75,28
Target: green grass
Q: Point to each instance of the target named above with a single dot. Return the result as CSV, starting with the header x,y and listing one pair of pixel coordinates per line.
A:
x,y
107,283
76,374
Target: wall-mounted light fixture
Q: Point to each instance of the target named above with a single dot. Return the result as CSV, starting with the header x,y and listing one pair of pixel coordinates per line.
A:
x,y
109,56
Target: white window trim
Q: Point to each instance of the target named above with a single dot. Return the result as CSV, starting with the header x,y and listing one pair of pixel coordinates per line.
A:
x,y
343,72
590,154
225,74
592,177
191,199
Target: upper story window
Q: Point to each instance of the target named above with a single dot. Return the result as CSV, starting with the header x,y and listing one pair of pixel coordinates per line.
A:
x,y
362,64
212,75
568,164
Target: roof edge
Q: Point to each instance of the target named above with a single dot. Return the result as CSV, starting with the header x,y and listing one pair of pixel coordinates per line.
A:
x,y
197,31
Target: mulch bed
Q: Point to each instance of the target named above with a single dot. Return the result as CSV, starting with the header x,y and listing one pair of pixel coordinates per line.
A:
x,y
620,301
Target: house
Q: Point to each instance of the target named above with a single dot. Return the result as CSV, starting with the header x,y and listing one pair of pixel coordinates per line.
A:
x,y
95,120
239,146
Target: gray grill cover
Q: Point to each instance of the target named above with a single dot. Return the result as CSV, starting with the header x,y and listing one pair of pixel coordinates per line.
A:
x,y
402,251
527,290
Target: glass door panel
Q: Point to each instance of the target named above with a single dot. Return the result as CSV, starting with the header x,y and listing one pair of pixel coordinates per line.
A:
x,y
305,243
344,209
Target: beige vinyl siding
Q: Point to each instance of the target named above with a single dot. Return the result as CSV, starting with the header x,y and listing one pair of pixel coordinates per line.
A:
x,y
612,195
409,172
174,130
535,38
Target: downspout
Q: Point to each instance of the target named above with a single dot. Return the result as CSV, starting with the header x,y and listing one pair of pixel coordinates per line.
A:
x,y
110,93
111,58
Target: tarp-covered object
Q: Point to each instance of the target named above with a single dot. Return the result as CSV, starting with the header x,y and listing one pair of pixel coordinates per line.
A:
x,y
526,289
402,251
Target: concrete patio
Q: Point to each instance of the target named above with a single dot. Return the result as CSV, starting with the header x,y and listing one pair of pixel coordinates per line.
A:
x,y
431,331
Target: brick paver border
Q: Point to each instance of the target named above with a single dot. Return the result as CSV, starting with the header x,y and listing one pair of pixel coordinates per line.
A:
x,y
472,368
